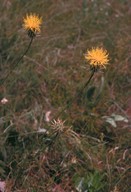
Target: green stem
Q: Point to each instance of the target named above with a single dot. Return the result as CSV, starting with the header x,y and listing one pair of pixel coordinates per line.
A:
x,y
76,96
86,84
10,72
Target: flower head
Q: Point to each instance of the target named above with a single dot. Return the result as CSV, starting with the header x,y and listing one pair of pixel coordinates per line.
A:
x,y
59,127
32,24
97,57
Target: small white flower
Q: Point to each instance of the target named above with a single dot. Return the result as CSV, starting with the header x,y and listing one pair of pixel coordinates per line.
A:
x,y
4,101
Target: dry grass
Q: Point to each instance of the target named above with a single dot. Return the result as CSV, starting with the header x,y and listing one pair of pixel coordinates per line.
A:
x,y
36,155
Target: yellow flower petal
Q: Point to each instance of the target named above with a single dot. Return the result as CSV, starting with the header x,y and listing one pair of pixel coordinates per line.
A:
x,y
97,57
32,22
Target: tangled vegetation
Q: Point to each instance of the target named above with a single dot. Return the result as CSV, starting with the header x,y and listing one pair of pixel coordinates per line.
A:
x,y
64,91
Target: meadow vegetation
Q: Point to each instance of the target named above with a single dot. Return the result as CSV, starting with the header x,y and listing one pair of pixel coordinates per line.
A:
x,y
56,136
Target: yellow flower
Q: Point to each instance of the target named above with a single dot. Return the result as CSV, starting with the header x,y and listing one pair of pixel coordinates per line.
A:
x,y
97,57
32,23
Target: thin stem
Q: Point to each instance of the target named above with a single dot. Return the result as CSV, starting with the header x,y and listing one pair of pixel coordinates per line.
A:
x,y
53,139
77,95
86,84
10,72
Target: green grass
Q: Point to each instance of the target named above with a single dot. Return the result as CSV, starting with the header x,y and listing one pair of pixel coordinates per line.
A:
x,y
83,151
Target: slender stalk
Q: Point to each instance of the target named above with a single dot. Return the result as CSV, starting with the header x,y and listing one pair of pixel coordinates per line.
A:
x,y
53,139
15,65
76,96
86,84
